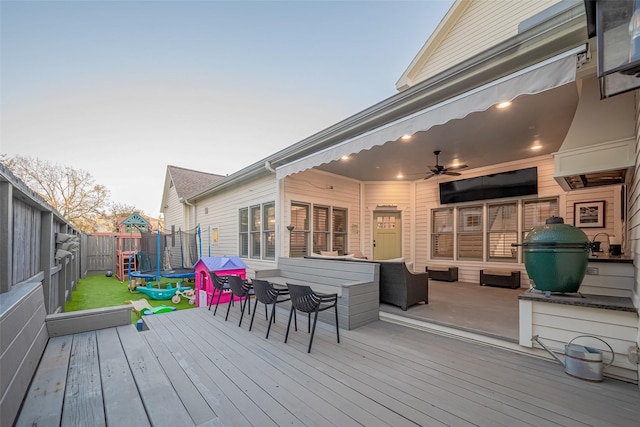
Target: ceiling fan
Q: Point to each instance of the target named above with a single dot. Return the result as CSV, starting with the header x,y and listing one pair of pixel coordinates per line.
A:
x,y
438,169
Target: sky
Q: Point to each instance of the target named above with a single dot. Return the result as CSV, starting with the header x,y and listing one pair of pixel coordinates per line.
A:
x,y
122,89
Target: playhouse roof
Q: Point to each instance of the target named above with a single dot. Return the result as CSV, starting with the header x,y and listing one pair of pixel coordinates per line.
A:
x,y
218,263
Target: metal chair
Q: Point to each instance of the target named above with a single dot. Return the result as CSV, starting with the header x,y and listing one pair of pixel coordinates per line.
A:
x,y
266,293
304,299
241,289
220,284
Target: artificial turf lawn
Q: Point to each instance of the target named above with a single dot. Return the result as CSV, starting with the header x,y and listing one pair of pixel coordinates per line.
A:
x,y
98,291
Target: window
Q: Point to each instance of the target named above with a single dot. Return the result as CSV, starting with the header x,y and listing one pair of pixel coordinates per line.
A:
x,y
502,231
213,235
320,229
299,236
327,229
536,212
255,232
442,233
340,230
244,232
470,233
269,230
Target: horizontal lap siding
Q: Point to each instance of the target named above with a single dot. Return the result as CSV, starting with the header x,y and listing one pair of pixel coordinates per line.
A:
x,y
428,198
484,23
223,213
397,194
612,279
173,215
558,324
311,187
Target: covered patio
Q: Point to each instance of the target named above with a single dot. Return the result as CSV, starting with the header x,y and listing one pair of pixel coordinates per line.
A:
x,y
485,311
380,374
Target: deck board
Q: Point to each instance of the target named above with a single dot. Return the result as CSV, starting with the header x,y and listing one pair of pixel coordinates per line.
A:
x,y
44,405
123,404
193,368
158,395
83,403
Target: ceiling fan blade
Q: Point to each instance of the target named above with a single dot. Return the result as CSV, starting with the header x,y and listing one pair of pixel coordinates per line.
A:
x,y
456,167
452,173
430,176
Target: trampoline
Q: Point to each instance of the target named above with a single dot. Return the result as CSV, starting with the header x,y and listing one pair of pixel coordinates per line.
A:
x,y
166,255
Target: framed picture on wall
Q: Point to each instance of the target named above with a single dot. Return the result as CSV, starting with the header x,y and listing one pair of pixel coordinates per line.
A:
x,y
589,214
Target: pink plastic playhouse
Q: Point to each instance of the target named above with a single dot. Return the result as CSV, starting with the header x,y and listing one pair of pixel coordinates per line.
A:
x,y
222,266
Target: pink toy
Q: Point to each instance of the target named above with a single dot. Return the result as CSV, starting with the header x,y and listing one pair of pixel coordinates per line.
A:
x,y
222,266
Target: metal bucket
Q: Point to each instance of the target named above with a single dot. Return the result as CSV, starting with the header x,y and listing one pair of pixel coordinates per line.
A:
x,y
581,361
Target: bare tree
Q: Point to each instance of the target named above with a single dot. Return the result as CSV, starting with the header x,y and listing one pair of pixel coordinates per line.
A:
x,y
119,210
72,192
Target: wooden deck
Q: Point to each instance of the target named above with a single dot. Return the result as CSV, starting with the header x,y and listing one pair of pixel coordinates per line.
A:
x,y
212,372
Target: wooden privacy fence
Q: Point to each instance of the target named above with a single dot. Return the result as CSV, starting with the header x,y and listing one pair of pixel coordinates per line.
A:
x,y
30,231
100,253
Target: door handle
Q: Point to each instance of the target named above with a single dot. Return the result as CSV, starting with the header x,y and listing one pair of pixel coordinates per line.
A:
x,y
374,243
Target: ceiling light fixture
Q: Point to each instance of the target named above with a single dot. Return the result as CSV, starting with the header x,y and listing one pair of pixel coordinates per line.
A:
x,y
406,137
504,104
399,176
344,158
536,146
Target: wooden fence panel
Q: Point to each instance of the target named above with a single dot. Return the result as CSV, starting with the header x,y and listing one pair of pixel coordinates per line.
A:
x,y
101,253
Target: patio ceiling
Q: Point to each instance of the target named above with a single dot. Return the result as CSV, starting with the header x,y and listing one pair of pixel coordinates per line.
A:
x,y
480,139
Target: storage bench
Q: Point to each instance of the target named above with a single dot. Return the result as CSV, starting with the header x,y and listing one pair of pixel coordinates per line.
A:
x,y
501,278
447,274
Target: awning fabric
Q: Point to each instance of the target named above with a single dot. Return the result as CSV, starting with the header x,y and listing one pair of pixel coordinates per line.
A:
x,y
540,77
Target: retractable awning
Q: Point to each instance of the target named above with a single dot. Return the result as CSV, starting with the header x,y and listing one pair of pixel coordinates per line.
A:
x,y
549,74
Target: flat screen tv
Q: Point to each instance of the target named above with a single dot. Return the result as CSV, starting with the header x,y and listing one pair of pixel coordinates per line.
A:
x,y
521,182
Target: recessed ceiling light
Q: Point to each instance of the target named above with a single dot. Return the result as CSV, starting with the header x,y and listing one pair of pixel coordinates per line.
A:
x,y
344,158
536,147
405,137
399,176
504,104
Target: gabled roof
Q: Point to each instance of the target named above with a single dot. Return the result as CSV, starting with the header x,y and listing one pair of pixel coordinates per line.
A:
x,y
188,182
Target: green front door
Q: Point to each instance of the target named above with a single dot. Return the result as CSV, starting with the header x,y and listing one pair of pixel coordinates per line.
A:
x,y
387,235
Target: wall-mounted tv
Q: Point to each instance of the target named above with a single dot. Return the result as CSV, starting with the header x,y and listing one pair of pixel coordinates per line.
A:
x,y
521,182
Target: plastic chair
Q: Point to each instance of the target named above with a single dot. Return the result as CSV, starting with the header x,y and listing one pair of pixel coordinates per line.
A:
x,y
266,293
220,284
241,289
304,299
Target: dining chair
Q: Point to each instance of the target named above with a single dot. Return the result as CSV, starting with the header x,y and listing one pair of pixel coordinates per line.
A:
x,y
220,284
241,289
304,299
267,294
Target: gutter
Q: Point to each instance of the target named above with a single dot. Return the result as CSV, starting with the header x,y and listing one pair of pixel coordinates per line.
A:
x,y
556,35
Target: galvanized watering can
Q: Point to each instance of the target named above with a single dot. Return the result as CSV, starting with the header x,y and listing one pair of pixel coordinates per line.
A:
x,y
581,361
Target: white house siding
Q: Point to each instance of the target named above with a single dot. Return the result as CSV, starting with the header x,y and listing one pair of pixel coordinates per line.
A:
x,y
173,213
557,324
222,213
316,187
484,23
427,198
389,194
611,196
633,213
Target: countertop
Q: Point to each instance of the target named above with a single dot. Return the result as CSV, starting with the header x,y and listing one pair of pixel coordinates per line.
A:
x,y
605,257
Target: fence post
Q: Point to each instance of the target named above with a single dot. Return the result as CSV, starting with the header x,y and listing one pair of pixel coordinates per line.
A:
x,y
6,236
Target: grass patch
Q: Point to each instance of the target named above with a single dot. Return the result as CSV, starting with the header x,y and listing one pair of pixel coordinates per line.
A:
x,y
98,291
